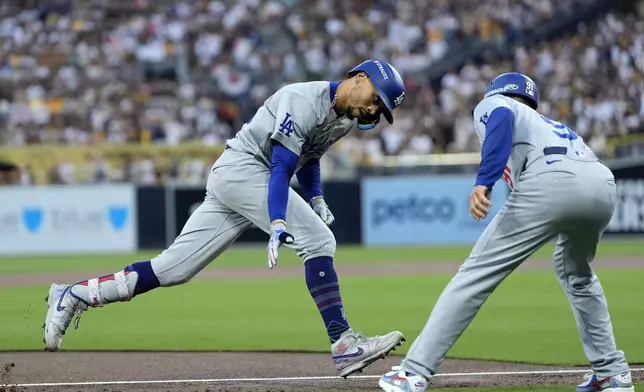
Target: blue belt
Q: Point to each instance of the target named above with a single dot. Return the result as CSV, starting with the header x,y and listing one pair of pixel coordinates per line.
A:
x,y
555,151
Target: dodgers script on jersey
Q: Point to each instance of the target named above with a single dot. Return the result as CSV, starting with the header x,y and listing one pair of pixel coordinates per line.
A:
x,y
300,117
533,133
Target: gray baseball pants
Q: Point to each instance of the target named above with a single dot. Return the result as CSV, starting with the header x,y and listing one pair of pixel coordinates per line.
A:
x,y
574,204
236,197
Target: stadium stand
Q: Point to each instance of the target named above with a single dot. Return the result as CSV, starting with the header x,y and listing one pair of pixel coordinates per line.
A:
x,y
148,91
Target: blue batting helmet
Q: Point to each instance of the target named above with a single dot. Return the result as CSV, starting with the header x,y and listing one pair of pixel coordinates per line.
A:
x,y
513,83
388,84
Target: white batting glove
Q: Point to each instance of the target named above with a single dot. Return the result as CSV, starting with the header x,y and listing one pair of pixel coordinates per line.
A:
x,y
322,210
279,236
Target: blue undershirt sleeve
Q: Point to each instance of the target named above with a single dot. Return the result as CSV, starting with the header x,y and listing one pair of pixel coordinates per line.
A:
x,y
310,179
283,164
499,132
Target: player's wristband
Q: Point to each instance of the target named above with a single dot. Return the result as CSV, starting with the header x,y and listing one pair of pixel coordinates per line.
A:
x,y
278,224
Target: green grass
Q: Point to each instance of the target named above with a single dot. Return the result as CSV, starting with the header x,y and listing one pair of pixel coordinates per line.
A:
x,y
528,319
256,257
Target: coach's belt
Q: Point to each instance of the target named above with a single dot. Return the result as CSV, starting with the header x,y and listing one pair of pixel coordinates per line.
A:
x,y
555,151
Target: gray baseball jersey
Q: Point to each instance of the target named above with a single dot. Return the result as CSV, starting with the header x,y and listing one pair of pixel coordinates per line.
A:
x,y
533,133
300,117
560,190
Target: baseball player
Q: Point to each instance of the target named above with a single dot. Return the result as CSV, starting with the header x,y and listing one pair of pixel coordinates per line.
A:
x,y
249,184
559,189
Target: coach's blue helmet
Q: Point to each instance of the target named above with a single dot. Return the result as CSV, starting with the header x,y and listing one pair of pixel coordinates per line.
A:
x,y
388,84
513,83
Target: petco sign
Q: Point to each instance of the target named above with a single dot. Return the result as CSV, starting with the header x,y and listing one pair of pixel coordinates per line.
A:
x,y
422,210
65,219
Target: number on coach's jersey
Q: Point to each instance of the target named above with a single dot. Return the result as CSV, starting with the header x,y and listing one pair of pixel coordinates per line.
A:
x,y
286,127
567,132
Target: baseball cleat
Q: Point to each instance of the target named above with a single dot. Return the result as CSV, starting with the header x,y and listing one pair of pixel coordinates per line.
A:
x,y
398,380
354,351
619,383
62,305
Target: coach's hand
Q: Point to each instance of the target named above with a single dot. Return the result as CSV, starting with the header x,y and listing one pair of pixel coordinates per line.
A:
x,y
279,236
322,210
479,202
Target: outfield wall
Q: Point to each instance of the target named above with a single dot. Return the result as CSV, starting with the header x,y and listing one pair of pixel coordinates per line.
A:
x,y
378,211
396,210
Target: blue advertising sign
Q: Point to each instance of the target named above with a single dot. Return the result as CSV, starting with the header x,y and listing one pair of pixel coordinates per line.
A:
x,y
422,210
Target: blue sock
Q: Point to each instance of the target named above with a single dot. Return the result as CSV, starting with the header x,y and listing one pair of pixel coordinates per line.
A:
x,y
323,285
147,279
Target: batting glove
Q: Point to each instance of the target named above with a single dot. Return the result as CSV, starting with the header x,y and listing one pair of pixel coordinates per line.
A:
x,y
279,236
322,210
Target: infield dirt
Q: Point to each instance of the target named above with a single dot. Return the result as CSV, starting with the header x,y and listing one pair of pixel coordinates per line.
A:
x,y
223,368
98,371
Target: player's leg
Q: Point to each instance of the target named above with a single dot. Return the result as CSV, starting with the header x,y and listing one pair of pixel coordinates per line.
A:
x,y
210,229
316,245
572,258
515,233
573,255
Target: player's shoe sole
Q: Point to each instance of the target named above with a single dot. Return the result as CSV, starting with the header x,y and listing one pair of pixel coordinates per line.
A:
x,y
358,367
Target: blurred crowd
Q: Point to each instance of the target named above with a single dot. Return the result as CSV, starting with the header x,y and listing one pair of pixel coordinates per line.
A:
x,y
85,72
593,81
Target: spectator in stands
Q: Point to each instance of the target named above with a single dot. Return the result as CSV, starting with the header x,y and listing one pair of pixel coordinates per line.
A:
x,y
90,72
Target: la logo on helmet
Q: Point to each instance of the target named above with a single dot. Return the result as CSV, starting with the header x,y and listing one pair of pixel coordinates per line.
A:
x,y
399,99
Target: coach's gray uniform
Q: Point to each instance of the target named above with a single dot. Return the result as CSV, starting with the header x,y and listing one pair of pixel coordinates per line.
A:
x,y
300,117
559,189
